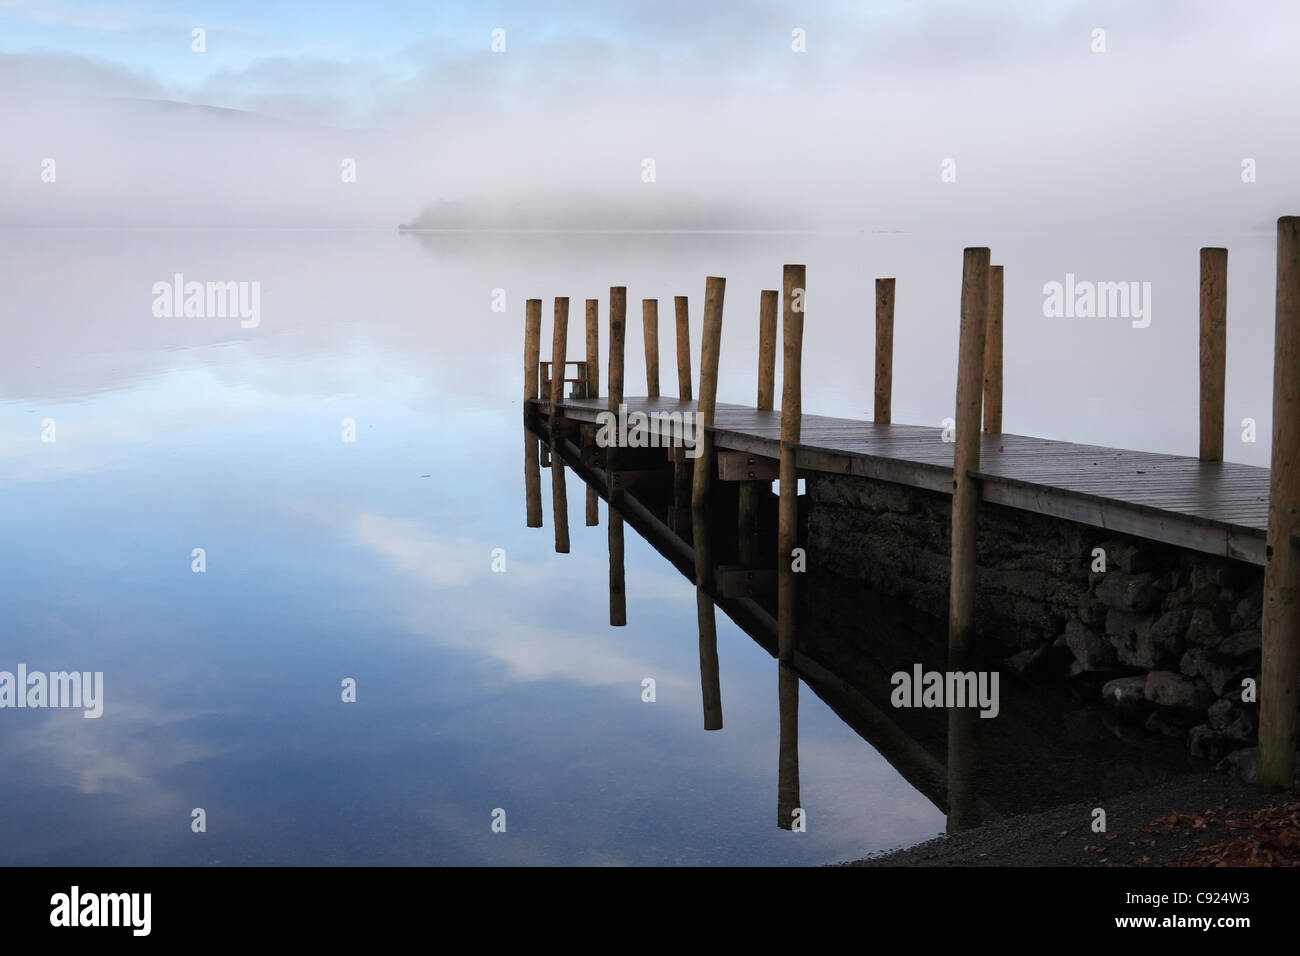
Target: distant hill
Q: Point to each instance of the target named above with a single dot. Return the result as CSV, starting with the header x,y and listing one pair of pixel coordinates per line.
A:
x,y
653,212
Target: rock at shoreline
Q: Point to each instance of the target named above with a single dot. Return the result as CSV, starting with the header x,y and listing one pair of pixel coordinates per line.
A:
x,y
1167,689
1127,696
1242,764
1091,652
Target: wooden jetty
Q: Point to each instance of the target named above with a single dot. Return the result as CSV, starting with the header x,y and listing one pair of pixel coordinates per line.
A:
x,y
1216,507
1204,504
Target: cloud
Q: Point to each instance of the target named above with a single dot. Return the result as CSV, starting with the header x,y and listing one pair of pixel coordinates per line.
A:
x,y
529,648
127,749
37,78
849,134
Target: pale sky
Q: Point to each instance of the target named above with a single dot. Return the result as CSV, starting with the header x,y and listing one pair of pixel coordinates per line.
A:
x,y
1045,131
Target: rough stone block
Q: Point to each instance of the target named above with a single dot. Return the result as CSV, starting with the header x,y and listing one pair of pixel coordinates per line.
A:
x,y
1092,652
1127,592
1167,689
1127,696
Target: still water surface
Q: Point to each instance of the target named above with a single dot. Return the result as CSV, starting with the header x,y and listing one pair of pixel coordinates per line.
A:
x,y
371,560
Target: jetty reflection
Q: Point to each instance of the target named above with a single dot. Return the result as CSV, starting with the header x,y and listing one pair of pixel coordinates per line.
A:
x,y
1047,746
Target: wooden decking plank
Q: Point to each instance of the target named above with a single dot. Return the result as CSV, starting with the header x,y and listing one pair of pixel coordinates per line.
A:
x,y
1219,507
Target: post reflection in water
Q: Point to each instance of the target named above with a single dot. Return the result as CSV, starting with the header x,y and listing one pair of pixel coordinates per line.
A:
x,y
1042,749
617,582
964,807
533,479
787,784
679,513
710,678
560,505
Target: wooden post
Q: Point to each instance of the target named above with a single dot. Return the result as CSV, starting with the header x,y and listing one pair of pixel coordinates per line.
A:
x,y
714,291
1214,349
532,451
966,457
533,477
791,414
884,351
993,355
532,346
559,493
1281,620
617,583
617,330
593,348
593,507
559,352
683,347
560,505
710,680
767,303
682,467
787,774
650,324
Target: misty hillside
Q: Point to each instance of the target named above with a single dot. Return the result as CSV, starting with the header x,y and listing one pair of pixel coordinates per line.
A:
x,y
573,212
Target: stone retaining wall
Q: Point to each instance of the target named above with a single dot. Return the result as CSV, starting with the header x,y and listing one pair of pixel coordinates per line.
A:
x,y
1168,635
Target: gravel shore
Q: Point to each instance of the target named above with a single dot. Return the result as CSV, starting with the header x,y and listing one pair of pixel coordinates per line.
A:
x,y
1169,823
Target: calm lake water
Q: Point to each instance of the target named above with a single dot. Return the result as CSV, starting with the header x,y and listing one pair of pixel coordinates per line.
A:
x,y
371,559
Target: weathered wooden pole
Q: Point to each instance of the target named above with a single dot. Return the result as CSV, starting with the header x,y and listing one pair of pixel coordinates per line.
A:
x,y
559,492
787,780
650,325
617,330
593,348
533,479
532,347
710,679
1281,620
682,308
532,451
993,355
966,457
791,414
767,303
884,351
559,352
593,391
714,291
682,467
617,333
1214,350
